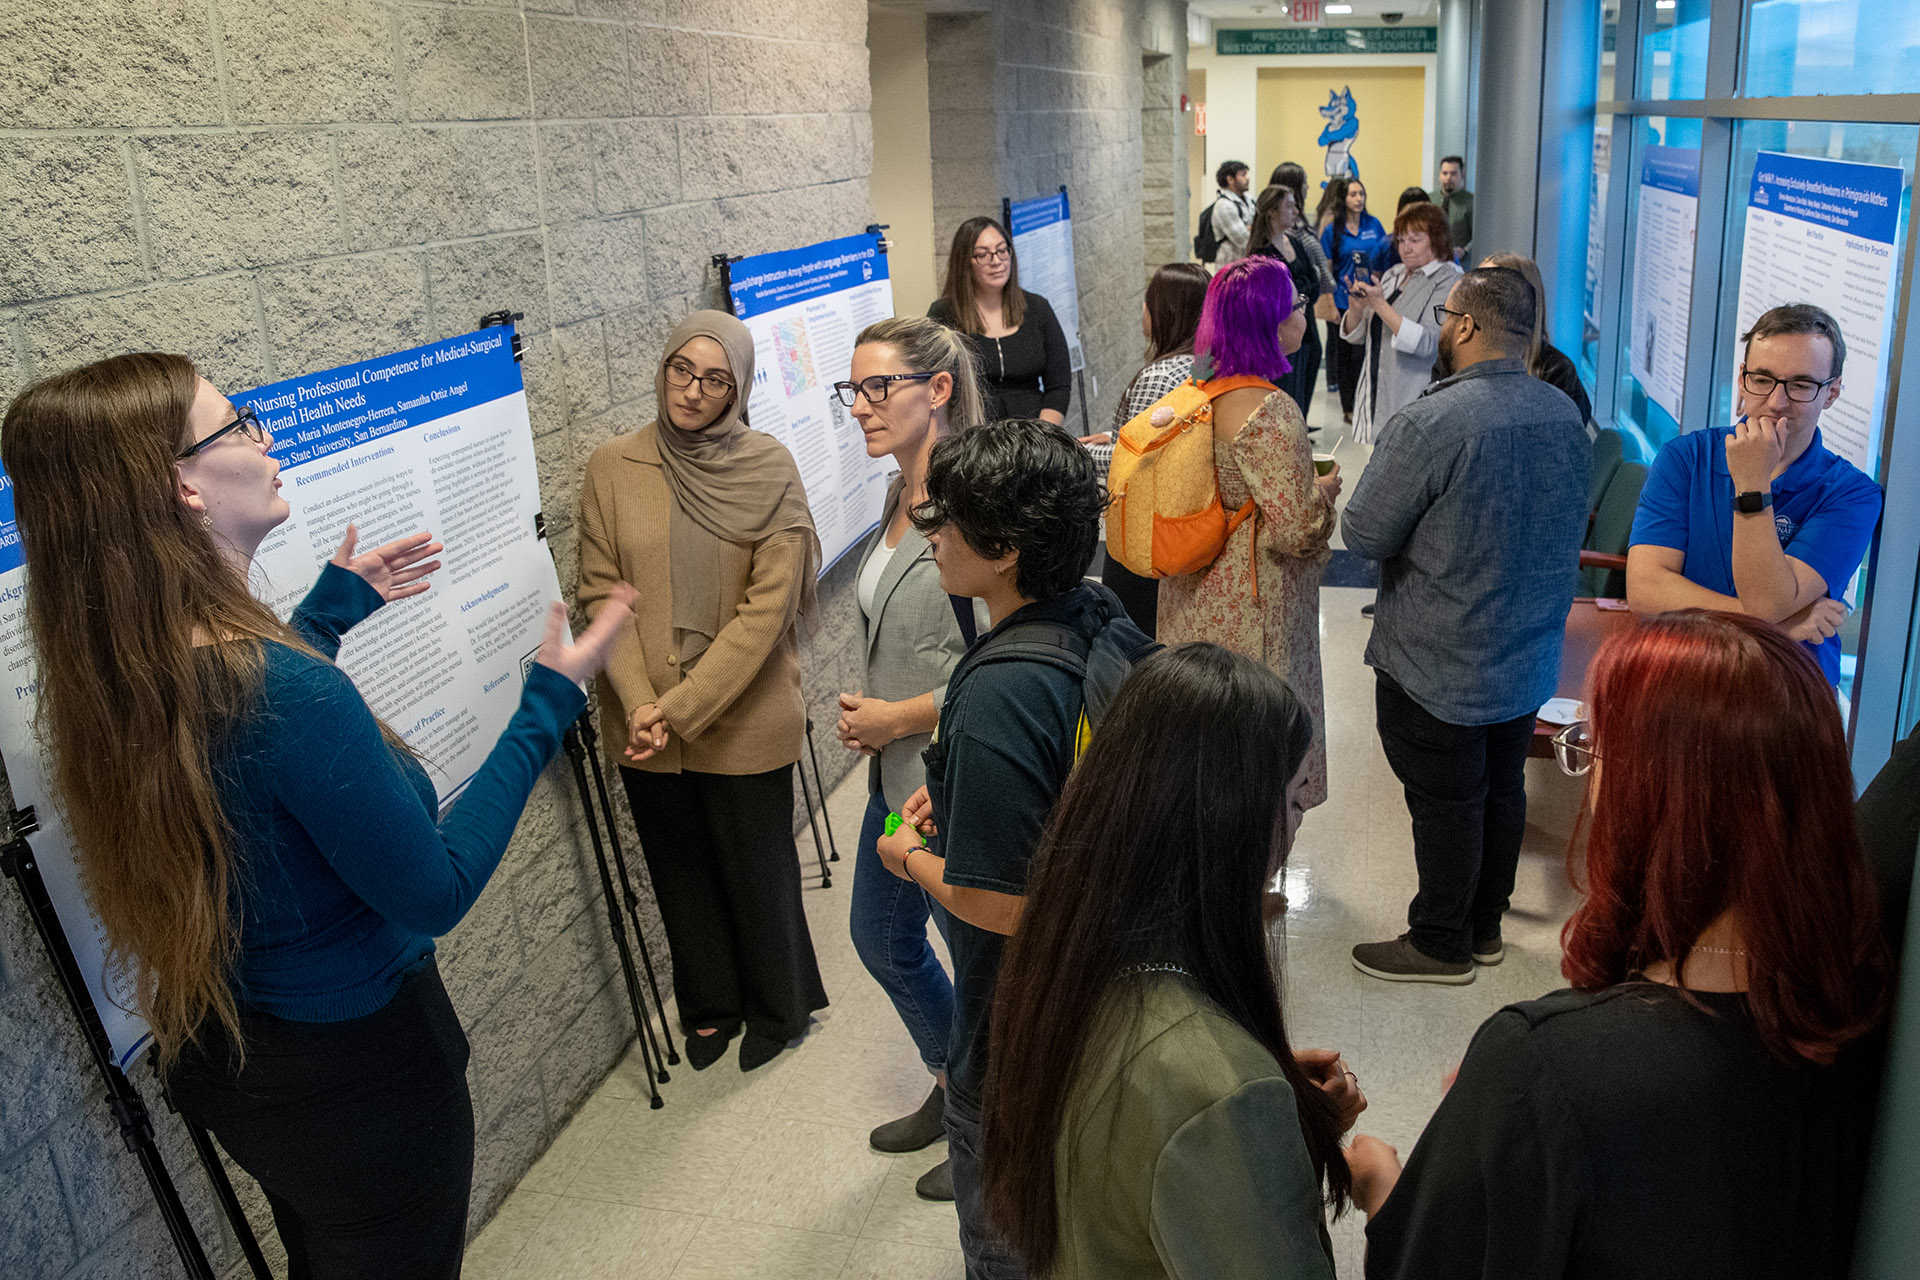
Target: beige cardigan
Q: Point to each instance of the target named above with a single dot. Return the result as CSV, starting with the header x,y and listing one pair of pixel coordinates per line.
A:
x,y
739,710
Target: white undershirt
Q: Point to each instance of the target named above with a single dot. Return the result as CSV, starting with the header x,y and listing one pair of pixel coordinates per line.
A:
x,y
875,569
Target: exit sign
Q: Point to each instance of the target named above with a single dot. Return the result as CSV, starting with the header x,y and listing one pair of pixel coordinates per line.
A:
x,y
1305,12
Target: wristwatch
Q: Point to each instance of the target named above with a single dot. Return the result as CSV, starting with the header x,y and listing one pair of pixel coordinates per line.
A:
x,y
1752,501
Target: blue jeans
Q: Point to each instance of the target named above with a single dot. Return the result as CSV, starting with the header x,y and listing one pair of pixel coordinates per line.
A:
x,y
987,1255
888,920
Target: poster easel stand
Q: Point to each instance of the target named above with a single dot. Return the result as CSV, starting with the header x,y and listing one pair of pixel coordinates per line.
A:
x,y
129,1109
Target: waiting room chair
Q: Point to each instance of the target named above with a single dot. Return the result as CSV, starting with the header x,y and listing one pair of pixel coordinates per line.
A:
x,y
1604,571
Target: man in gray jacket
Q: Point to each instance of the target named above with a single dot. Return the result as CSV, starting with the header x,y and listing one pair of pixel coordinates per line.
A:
x,y
1474,502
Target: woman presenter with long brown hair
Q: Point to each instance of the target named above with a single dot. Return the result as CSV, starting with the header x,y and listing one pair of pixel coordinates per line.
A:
x,y
265,856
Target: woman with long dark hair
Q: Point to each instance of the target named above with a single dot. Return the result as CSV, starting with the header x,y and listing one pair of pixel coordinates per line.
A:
x,y
1146,1114
1280,232
1025,367
1168,319
1700,1102
1355,242
264,855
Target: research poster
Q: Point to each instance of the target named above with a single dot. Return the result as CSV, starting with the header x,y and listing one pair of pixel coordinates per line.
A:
x,y
434,439
26,774
1042,231
804,308
1663,273
1823,231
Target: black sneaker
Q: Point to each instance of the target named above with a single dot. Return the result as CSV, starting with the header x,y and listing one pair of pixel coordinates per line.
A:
x,y
1401,961
915,1132
1489,950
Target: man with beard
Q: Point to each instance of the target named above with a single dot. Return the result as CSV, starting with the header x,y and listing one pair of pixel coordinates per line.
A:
x,y
1474,502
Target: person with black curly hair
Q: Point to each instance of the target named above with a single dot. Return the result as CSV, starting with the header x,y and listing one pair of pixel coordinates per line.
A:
x,y
1013,512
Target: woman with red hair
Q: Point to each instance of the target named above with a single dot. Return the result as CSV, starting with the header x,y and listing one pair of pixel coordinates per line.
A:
x,y
1699,1104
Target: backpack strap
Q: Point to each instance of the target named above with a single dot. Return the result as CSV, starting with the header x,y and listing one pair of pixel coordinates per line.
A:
x,y
1217,387
963,614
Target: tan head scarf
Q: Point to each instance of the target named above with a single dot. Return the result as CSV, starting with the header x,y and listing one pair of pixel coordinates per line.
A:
x,y
732,487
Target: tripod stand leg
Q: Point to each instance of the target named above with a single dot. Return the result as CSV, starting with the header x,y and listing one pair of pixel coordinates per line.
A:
x,y
576,755
633,899
833,850
813,820
222,1185
123,1100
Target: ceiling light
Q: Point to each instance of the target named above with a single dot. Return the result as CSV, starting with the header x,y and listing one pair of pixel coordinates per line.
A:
x,y
1664,4
1339,8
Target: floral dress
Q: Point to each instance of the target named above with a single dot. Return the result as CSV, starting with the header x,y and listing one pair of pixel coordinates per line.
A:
x,y
1261,597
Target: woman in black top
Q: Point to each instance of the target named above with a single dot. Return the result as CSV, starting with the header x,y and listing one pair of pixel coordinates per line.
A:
x,y
1701,1102
1279,232
1544,360
1024,369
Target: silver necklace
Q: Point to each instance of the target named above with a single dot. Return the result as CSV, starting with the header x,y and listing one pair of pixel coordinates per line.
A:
x,y
1154,968
1721,951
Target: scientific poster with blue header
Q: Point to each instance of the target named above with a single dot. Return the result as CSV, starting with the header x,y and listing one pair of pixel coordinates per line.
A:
x,y
1042,231
1669,215
1825,231
804,308
434,439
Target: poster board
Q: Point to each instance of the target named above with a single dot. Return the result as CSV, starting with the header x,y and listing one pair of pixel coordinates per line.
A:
x,y
804,308
436,438
1824,231
1663,273
1042,231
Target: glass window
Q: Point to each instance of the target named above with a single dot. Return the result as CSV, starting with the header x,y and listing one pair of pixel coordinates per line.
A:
x,y
1831,46
1662,216
1609,33
1850,266
1596,248
1673,48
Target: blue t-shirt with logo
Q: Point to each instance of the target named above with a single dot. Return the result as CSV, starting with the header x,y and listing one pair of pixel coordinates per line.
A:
x,y
1823,507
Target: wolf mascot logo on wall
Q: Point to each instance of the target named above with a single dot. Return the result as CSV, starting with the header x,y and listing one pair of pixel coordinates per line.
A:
x,y
1343,126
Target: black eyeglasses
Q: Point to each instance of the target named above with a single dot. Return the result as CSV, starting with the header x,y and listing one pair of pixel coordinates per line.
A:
x,y
1441,313
1799,390
875,388
712,385
993,255
1573,749
244,421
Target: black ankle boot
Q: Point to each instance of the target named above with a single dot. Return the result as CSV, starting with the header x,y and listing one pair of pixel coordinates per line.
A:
x,y
704,1051
912,1133
757,1050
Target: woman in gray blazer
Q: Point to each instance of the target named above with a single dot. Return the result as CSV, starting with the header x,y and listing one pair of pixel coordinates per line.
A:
x,y
913,380
1392,322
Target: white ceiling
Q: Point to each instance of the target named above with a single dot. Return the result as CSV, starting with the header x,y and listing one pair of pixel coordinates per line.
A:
x,y
1365,12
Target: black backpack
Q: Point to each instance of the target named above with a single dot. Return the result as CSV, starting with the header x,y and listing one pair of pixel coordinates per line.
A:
x,y
1206,242
1102,662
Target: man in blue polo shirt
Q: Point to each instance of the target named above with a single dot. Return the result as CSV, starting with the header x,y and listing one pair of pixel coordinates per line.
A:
x,y
1761,519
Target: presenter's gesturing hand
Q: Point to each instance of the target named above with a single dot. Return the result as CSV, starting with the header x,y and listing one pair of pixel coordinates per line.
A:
x,y
646,732
395,570
587,656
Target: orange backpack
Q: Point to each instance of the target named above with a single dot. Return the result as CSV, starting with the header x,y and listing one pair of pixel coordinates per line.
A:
x,y
1166,517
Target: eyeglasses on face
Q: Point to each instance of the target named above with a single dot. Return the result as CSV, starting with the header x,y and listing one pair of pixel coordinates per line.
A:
x,y
712,385
875,388
1799,390
244,422
1441,313
1573,749
1000,253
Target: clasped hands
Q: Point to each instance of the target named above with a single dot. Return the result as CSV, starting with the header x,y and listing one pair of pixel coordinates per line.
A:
x,y
647,731
866,724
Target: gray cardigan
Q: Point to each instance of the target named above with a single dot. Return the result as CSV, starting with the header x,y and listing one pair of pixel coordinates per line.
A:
x,y
913,644
1406,358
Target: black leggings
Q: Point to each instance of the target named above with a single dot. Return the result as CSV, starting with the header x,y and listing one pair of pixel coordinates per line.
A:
x,y
359,1132
1347,359
727,877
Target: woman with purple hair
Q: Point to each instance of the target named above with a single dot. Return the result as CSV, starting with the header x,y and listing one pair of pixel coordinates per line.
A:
x,y
1261,597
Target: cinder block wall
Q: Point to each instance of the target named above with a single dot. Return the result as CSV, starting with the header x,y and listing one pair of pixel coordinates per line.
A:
x,y
274,187
1025,95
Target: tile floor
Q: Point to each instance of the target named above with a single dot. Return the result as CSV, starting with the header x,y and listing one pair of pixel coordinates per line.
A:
x,y
770,1175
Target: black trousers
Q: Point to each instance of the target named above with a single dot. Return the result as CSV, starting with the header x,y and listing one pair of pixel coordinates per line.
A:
x,y
1140,596
1466,789
360,1132
1306,370
1346,359
727,876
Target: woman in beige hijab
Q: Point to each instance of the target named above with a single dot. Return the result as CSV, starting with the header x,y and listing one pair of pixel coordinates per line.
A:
x,y
701,701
